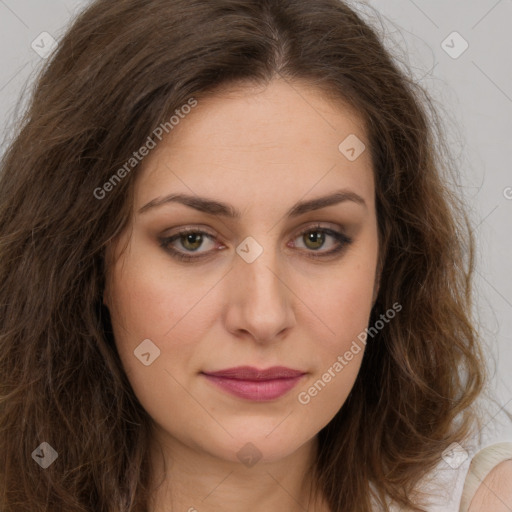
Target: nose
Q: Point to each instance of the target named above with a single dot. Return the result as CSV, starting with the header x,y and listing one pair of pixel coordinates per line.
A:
x,y
260,301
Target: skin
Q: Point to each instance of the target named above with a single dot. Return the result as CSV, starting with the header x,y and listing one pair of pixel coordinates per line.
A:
x,y
495,492
260,149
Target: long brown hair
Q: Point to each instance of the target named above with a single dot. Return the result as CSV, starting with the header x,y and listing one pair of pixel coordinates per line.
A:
x,y
122,69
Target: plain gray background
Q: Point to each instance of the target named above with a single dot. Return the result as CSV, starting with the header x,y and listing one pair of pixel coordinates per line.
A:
x,y
474,90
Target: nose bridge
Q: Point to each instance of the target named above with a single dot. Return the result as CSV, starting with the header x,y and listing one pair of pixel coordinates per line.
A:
x,y
258,266
262,299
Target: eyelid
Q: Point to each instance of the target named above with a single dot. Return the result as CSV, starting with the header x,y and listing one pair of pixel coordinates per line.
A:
x,y
199,228
341,238
165,242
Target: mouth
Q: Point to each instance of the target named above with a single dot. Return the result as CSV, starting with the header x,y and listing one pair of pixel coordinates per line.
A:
x,y
253,384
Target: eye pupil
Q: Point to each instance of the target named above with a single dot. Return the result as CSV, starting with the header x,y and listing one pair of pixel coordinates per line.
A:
x,y
193,238
316,237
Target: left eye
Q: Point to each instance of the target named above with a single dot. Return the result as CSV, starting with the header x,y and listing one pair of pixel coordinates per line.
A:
x,y
314,239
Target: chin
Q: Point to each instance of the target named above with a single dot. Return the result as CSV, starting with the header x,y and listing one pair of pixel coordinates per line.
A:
x,y
255,443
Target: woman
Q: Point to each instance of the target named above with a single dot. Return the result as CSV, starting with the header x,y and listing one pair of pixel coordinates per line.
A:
x,y
234,276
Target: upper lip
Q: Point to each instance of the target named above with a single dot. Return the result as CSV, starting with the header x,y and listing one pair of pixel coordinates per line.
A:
x,y
252,373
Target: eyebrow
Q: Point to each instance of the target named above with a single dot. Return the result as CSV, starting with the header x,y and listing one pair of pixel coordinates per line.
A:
x,y
218,208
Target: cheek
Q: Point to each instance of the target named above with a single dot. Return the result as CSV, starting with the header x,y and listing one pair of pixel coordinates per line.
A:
x,y
150,300
145,307
341,304
344,310
338,349
342,300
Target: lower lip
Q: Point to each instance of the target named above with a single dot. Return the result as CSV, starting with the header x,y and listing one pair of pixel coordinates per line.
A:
x,y
258,391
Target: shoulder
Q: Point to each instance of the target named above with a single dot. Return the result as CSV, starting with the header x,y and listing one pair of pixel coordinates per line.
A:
x,y
495,492
489,480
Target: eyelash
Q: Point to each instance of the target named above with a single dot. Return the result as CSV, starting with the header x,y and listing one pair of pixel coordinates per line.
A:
x,y
343,242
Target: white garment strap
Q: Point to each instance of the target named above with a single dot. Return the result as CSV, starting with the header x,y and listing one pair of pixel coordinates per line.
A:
x,y
481,465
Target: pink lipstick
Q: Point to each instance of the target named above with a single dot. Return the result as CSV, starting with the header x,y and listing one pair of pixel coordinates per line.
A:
x,y
254,384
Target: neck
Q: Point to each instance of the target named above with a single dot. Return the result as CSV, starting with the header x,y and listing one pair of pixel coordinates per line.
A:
x,y
186,478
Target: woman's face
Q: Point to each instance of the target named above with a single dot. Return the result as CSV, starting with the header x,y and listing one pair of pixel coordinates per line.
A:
x,y
256,291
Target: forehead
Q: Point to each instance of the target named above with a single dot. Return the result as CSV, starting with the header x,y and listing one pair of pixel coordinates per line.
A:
x,y
249,138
